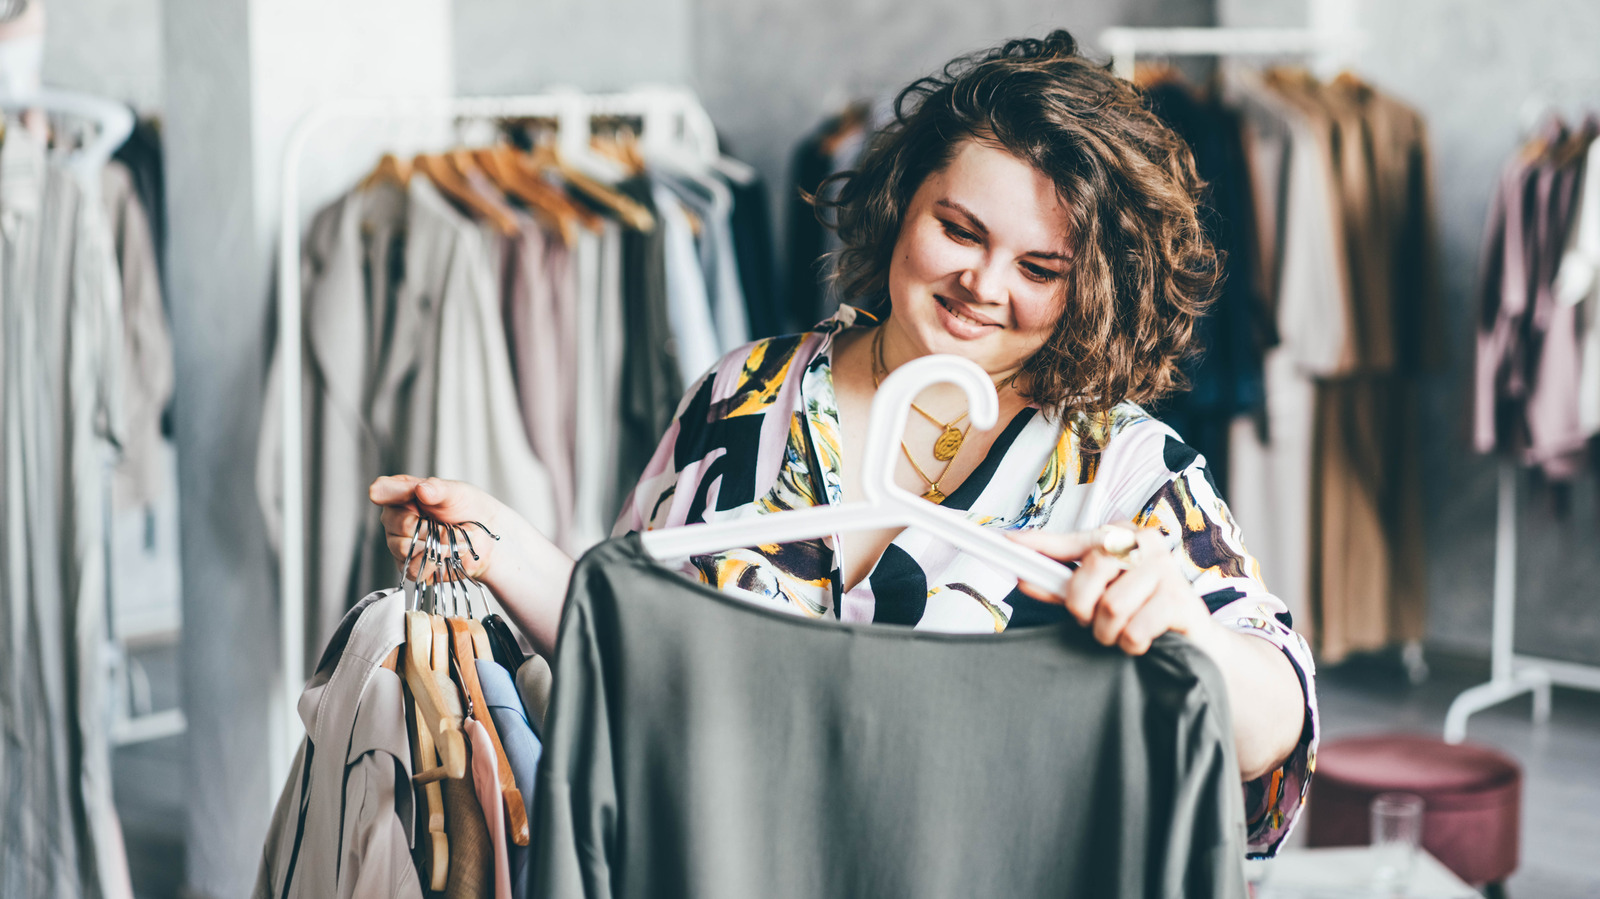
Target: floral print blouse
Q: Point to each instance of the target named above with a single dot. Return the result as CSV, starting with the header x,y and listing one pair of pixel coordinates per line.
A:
x,y
759,433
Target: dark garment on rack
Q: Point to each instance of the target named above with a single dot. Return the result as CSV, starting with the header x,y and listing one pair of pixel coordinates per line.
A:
x,y
141,153
752,245
699,745
1225,376
651,384
806,236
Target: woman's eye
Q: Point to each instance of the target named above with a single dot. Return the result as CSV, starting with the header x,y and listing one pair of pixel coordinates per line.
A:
x,y
959,233
1042,275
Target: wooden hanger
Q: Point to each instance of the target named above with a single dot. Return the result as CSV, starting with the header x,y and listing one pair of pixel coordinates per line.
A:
x,y
390,169
425,756
444,176
462,645
851,120
1150,74
620,150
555,207
434,708
628,210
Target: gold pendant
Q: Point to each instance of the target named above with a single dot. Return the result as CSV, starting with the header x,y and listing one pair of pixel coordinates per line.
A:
x,y
934,494
948,444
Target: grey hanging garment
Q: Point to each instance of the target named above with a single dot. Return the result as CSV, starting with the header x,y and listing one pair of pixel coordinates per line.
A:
x,y
698,745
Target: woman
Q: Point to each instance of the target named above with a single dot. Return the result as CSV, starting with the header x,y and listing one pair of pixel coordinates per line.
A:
x,y
1028,213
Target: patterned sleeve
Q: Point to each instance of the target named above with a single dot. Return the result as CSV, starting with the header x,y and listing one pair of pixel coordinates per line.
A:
x,y
648,504
1229,579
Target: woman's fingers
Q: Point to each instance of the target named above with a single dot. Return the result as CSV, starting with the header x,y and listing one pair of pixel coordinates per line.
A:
x,y
1150,622
393,489
1061,547
1096,571
1122,601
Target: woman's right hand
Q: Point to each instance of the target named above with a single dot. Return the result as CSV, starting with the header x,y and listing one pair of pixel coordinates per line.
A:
x,y
446,502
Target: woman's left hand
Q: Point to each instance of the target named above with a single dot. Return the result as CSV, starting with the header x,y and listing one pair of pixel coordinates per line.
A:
x,y
1128,600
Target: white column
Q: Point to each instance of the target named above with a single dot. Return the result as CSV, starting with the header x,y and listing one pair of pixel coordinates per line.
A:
x,y
238,74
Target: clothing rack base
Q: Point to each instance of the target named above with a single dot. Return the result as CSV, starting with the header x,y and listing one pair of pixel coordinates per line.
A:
x,y
1510,673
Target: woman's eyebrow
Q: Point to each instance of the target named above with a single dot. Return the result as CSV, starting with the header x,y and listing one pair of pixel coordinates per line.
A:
x,y
981,228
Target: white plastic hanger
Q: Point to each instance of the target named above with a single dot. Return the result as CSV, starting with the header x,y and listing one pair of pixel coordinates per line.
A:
x,y
113,124
887,503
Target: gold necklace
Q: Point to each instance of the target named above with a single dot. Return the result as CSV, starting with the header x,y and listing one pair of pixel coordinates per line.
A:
x,y
948,444
933,493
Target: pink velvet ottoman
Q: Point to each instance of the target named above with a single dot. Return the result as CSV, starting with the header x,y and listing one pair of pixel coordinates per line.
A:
x,y
1472,795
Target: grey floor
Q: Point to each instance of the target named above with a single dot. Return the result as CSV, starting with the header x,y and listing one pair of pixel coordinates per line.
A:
x,y
1561,800
1561,761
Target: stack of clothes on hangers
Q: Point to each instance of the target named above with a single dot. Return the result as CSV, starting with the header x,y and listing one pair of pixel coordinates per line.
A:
x,y
1303,390
1327,481
418,770
85,377
834,146
1537,394
512,318
674,753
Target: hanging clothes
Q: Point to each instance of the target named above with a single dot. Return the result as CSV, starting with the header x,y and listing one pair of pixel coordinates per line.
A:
x,y
141,154
1529,350
146,358
708,786
1224,376
1331,472
406,368
60,421
523,751
650,382
1578,285
751,225
344,823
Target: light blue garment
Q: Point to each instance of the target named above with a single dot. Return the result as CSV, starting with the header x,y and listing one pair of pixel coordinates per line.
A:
x,y
522,752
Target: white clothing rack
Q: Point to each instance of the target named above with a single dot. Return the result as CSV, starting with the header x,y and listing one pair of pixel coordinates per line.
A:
x,y
1512,674
1126,44
671,119
113,124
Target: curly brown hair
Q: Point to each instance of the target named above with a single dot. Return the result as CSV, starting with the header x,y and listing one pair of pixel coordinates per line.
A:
x,y
1142,269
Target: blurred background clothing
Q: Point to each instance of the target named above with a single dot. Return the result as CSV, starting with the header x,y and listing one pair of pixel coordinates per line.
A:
x,y
1410,295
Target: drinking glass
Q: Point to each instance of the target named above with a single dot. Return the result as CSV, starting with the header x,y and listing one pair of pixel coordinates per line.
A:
x,y
1396,834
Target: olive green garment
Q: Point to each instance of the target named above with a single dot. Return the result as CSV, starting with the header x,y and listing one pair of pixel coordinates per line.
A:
x,y
699,745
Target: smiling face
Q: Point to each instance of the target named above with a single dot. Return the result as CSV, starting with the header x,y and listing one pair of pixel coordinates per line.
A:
x,y
980,263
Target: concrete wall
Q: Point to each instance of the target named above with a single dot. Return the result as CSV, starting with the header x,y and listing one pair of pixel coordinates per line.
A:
x,y
513,46
1471,68
240,73
768,72
112,48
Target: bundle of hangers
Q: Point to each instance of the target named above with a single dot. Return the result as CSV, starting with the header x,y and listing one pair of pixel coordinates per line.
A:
x,y
459,717
440,665
1303,390
522,317
1537,387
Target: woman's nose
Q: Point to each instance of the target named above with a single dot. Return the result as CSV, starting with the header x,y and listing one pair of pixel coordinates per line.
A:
x,y
984,283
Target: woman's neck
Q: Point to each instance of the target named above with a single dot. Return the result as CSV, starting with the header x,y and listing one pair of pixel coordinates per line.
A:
x,y
895,348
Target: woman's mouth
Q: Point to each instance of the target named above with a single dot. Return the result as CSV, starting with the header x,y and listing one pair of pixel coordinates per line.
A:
x,y
959,320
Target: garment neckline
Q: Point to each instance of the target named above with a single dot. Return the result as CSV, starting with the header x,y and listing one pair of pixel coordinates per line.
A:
x,y
1067,629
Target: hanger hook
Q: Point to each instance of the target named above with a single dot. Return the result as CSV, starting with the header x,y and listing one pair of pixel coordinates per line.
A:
x,y
892,405
411,548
